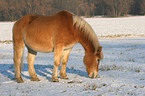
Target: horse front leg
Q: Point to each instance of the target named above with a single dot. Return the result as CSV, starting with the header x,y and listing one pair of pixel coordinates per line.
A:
x,y
30,60
57,59
64,63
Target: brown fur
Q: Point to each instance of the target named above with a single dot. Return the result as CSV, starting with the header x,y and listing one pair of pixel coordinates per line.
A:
x,y
58,33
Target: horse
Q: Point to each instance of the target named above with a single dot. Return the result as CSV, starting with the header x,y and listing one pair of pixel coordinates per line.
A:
x,y
56,33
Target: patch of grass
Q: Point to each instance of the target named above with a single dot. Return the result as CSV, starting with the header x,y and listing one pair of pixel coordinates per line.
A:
x,y
121,53
109,67
71,81
6,41
142,79
63,91
25,91
91,87
94,86
72,68
104,84
131,93
137,69
120,36
131,60
139,86
121,68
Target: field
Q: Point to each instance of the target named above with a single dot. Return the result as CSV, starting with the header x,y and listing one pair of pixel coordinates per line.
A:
x,y
121,72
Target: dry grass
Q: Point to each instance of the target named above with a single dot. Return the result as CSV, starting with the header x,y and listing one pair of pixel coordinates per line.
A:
x,y
121,36
121,68
94,86
6,41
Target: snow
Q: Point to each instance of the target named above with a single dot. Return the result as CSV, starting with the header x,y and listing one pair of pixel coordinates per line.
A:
x,y
133,26
6,30
122,71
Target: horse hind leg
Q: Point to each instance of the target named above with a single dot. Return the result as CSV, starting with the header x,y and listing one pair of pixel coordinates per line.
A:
x,y
18,60
64,63
30,59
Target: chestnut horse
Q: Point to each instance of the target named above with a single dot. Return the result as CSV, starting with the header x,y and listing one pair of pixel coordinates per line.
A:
x,y
57,33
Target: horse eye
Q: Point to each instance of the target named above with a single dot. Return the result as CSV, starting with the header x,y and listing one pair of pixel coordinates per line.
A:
x,y
98,60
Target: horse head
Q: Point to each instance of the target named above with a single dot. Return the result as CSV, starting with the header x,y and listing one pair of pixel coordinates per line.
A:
x,y
92,61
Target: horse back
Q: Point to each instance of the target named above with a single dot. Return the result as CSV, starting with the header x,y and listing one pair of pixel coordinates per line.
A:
x,y
64,27
45,31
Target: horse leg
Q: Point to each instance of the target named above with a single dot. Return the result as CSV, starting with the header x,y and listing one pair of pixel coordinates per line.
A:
x,y
18,60
30,60
64,63
57,59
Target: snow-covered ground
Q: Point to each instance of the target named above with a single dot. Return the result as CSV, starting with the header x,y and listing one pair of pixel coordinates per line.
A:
x,y
122,71
104,27
6,30
127,26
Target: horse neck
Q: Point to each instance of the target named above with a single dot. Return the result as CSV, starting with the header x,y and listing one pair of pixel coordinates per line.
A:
x,y
84,41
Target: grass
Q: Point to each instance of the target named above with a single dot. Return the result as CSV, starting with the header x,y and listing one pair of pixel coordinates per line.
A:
x,y
109,67
121,68
94,86
6,41
120,36
91,87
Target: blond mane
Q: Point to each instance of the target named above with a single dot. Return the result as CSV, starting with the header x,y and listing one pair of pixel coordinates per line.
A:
x,y
87,29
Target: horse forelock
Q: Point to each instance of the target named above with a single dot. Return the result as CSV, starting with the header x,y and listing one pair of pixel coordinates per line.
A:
x,y
82,25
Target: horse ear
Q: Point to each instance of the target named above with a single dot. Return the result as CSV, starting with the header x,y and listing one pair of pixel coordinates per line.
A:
x,y
99,49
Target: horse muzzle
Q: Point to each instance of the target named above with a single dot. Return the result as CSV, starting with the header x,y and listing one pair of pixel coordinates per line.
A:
x,y
93,74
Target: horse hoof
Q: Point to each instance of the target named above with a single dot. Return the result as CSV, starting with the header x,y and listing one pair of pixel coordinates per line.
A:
x,y
64,77
20,80
54,80
35,79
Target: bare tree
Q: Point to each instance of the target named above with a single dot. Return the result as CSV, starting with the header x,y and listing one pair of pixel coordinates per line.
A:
x,y
15,9
119,7
143,7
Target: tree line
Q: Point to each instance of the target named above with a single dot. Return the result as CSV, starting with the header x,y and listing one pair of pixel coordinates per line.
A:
x,y
11,10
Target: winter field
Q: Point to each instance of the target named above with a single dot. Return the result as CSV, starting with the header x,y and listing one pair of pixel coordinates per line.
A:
x,y
121,72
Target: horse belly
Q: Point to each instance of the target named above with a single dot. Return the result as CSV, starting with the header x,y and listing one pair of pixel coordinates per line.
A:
x,y
43,47
40,45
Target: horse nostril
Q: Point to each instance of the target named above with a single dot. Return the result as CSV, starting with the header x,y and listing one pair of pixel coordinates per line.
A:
x,y
93,75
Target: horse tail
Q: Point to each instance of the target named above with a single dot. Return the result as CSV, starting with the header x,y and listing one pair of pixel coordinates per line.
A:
x,y
18,42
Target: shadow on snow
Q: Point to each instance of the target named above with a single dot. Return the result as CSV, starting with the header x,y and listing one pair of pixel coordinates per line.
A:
x,y
8,71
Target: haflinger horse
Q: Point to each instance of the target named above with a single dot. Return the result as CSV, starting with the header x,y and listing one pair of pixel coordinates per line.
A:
x,y
57,33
